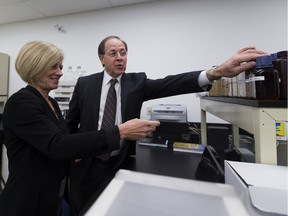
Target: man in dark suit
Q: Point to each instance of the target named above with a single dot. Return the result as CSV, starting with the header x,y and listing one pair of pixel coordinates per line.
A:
x,y
88,101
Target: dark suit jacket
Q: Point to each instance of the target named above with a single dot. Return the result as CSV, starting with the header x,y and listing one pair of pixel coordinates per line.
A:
x,y
135,89
38,151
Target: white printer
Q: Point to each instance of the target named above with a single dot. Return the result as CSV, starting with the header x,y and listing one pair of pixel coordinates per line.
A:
x,y
174,123
169,113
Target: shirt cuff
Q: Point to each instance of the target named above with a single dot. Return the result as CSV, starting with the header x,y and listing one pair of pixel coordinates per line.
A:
x,y
203,80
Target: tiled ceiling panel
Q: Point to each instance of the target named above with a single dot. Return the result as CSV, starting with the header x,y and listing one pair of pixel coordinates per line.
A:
x,y
17,12
23,10
62,7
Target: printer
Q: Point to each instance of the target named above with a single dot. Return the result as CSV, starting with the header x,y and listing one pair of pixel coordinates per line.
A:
x,y
174,124
169,113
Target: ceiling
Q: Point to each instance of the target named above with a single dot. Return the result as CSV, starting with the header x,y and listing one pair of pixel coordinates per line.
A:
x,y
23,10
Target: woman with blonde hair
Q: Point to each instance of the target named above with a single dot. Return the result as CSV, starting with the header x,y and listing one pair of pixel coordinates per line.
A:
x,y
39,147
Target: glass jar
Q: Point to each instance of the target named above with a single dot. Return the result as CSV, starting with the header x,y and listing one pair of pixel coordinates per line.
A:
x,y
266,79
280,64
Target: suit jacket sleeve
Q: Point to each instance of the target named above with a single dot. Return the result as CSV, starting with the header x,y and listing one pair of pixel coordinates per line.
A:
x,y
172,85
28,120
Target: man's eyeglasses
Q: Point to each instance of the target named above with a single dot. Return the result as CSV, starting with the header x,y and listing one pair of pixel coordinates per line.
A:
x,y
113,54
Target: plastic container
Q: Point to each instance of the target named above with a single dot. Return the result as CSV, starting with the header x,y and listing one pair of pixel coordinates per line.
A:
x,y
69,75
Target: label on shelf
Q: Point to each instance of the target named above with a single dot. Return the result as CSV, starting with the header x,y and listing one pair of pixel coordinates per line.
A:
x,y
281,131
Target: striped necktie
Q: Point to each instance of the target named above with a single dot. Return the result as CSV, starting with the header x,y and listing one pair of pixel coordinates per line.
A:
x,y
110,106
109,113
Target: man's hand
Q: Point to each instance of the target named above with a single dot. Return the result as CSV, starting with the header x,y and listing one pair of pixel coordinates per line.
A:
x,y
136,129
242,61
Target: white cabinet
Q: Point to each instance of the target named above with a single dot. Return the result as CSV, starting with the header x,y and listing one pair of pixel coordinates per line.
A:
x,y
63,95
4,72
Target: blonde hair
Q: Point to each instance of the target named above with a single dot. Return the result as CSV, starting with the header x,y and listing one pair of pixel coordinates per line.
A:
x,y
35,58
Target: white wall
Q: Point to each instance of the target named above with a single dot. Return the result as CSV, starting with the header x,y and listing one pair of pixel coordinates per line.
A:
x,y
165,37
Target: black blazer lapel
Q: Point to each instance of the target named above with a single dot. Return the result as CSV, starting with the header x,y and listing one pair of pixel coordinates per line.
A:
x,y
125,88
97,94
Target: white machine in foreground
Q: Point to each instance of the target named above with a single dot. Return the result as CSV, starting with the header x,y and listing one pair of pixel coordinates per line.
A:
x,y
134,193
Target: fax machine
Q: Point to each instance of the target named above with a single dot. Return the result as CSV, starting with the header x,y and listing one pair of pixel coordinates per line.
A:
x,y
174,124
169,113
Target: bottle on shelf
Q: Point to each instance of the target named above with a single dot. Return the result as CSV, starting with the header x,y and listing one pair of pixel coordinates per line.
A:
x,y
247,84
78,72
252,88
241,86
266,79
69,75
280,64
234,86
215,89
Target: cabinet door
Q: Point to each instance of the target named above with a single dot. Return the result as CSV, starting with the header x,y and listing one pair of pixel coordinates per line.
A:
x,y
4,71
